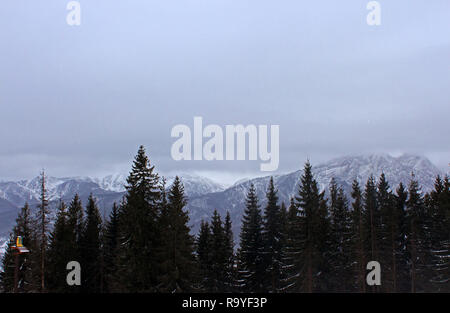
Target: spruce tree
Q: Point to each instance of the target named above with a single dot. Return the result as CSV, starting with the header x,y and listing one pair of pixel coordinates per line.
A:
x,y
294,240
59,252
283,225
229,255
415,234
23,228
138,263
313,209
400,232
218,253
272,236
42,222
388,233
91,248
251,271
358,238
178,270
8,264
340,254
438,207
203,253
110,249
372,224
75,225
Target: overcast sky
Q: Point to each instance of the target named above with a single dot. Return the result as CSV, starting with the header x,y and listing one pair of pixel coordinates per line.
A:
x,y
80,100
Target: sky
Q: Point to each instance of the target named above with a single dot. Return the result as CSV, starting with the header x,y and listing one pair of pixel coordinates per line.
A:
x,y
79,100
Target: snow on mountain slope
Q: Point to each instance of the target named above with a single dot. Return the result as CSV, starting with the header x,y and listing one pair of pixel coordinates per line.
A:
x,y
107,190
29,190
206,195
195,185
344,170
3,244
115,182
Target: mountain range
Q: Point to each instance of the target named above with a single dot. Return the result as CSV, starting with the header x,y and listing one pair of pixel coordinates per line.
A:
x,y
205,195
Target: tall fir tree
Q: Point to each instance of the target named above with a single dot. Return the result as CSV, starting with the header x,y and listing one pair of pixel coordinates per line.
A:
x,y
178,267
75,225
399,232
7,279
313,259
25,279
387,234
272,236
91,248
283,225
230,275
110,250
218,254
59,252
138,263
415,234
438,208
42,224
358,238
294,240
203,254
372,227
251,253
340,254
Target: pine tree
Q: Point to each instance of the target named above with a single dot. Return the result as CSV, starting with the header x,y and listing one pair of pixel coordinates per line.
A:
x,y
358,238
75,225
388,234
283,225
140,234
59,252
24,229
399,232
91,248
179,262
372,223
8,263
272,236
416,254
438,206
203,252
392,235
313,258
251,271
229,255
218,254
42,222
340,254
294,240
110,249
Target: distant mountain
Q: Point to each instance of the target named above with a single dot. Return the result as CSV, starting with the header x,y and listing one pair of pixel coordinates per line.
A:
x,y
344,170
206,195
107,190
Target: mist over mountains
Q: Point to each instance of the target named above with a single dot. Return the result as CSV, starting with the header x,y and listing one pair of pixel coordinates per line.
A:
x,y
205,195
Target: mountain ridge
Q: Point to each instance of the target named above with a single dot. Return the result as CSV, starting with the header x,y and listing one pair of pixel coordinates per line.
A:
x,y
205,195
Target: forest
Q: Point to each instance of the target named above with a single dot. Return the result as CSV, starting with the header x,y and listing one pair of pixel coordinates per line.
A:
x,y
319,242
